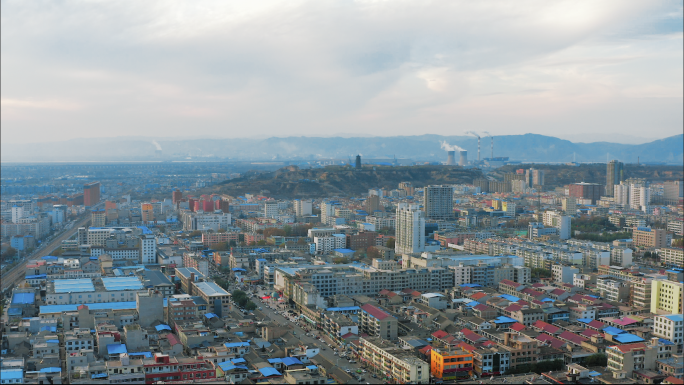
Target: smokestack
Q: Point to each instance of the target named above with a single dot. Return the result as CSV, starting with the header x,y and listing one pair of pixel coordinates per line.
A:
x,y
478,148
463,161
451,158
492,139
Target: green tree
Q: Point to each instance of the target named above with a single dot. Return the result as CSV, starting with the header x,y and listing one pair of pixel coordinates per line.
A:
x,y
221,230
288,230
252,243
10,252
250,306
390,243
195,233
373,252
223,246
232,243
340,260
261,243
598,359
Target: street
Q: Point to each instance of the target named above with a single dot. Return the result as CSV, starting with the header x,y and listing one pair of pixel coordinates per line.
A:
x,y
325,351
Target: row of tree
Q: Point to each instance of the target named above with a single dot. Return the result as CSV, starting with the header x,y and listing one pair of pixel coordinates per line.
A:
x,y
241,298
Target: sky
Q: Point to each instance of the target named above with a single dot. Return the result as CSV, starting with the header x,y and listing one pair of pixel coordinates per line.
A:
x,y
581,70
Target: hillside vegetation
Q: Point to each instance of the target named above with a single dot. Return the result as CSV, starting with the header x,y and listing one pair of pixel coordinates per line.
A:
x,y
289,183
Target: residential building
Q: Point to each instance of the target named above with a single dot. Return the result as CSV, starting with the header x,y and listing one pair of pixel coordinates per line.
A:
x,y
410,232
303,207
614,175
590,191
671,328
394,362
451,364
671,256
666,297
376,322
438,202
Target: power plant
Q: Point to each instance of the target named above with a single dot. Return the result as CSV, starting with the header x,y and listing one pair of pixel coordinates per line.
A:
x,y
492,142
451,154
463,160
478,143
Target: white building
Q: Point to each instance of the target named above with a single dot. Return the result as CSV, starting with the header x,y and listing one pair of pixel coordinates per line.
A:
x,y
639,197
326,245
270,209
410,232
148,249
303,207
17,213
669,327
621,256
563,274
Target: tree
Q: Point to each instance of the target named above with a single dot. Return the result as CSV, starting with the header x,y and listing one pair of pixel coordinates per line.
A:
x,y
9,252
373,252
342,260
252,243
261,243
223,246
301,241
195,233
390,243
597,359
221,230
250,306
288,230
678,242
232,243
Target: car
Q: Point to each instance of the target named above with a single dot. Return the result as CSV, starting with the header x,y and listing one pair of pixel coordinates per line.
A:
x,y
352,362
347,370
375,376
364,371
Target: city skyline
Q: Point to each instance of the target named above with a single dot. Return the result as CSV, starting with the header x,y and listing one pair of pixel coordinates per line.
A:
x,y
225,70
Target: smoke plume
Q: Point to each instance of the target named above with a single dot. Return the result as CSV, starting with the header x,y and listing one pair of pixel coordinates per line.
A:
x,y
473,134
448,147
157,145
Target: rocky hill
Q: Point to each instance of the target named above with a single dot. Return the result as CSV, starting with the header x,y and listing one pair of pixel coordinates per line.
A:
x,y
292,182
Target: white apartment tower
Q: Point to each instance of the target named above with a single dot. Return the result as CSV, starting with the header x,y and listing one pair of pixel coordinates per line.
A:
x,y
438,202
17,213
410,229
148,249
303,207
270,209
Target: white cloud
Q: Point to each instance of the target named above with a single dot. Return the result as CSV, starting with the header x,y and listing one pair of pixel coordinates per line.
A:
x,y
312,67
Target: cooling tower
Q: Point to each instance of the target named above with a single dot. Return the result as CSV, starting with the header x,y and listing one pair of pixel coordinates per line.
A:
x,y
464,158
451,158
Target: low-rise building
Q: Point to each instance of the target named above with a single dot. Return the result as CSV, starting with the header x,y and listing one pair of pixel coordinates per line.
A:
x,y
394,362
451,364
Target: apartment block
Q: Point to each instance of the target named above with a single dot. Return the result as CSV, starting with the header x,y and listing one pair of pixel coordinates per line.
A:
x,y
376,322
666,297
451,364
671,256
394,362
647,237
671,328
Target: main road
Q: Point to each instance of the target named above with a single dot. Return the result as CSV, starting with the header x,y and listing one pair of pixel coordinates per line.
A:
x,y
16,274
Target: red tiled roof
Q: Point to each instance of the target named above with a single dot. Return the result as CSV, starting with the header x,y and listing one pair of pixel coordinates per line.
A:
x,y
426,349
538,285
392,294
482,307
465,346
572,337
384,292
523,303
173,340
440,334
674,380
348,335
590,333
374,311
558,292
471,335
509,283
477,296
407,291
488,343
554,342
596,324
513,307
518,327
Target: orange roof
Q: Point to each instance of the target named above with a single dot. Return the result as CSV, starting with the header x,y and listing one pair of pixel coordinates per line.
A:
x,y
477,296
629,347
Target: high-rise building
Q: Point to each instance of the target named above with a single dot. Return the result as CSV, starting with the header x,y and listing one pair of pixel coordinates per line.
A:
x,y
534,177
648,237
91,194
438,202
666,297
410,229
673,192
270,209
148,249
17,213
639,197
98,218
303,207
621,194
614,176
584,190
569,205
147,212
408,187
327,210
372,204
483,184
176,196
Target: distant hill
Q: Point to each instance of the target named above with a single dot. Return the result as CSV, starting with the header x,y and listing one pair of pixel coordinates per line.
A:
x,y
524,148
342,181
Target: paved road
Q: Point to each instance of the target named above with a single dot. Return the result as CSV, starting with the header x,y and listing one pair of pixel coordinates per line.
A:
x,y
16,274
310,341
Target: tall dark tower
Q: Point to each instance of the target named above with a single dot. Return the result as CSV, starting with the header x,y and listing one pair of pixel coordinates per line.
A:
x,y
615,175
358,162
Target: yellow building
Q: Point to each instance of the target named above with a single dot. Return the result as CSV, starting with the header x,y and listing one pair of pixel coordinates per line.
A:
x,y
666,297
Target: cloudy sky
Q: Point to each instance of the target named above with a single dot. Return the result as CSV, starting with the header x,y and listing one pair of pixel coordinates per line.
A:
x,y
581,70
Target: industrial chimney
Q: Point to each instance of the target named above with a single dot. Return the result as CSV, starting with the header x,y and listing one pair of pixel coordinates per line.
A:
x,y
464,158
451,158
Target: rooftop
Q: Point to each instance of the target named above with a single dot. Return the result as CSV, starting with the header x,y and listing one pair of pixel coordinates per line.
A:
x,y
210,288
73,285
122,283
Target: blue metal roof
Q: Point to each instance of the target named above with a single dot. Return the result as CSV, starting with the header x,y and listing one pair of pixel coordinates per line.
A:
x,y
274,360
238,269
585,320
23,298
116,349
238,360
162,327
267,372
675,317
145,354
51,370
92,306
503,320
312,367
289,361
613,331
344,251
122,283
210,315
626,338
99,375
665,342
74,285
347,308
37,276
11,374
235,344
